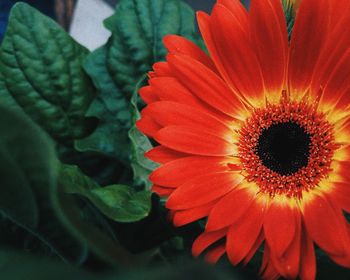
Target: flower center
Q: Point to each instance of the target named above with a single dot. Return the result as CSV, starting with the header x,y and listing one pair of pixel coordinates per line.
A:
x,y
286,148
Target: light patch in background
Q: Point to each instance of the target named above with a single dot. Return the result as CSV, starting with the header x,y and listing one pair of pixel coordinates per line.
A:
x,y
87,24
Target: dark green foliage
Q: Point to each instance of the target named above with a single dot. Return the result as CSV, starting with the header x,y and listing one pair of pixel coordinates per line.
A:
x,y
41,269
83,220
41,72
28,172
118,202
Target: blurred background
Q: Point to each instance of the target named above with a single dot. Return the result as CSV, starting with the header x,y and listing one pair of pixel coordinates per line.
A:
x,y
63,10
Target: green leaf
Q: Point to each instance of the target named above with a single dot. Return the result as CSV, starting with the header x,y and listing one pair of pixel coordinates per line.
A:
x,y
136,43
289,14
5,98
112,108
27,172
118,202
140,165
41,71
121,203
138,28
140,144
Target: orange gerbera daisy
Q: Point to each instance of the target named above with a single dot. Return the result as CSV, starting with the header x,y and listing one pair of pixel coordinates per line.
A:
x,y
256,136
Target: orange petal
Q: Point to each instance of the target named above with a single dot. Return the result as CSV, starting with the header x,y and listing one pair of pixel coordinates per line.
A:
x,y
337,42
236,54
229,209
170,89
178,45
288,264
161,191
172,113
344,260
267,270
161,69
147,125
177,172
161,154
336,89
204,23
206,85
243,234
280,224
206,239
184,217
344,169
306,43
308,259
342,195
338,13
203,189
148,95
341,260
270,41
215,254
237,10
254,248
325,225
194,140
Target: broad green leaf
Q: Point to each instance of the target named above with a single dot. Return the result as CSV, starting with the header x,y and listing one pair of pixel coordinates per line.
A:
x,y
121,203
41,71
140,165
27,173
105,170
5,98
116,204
138,28
112,108
140,144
